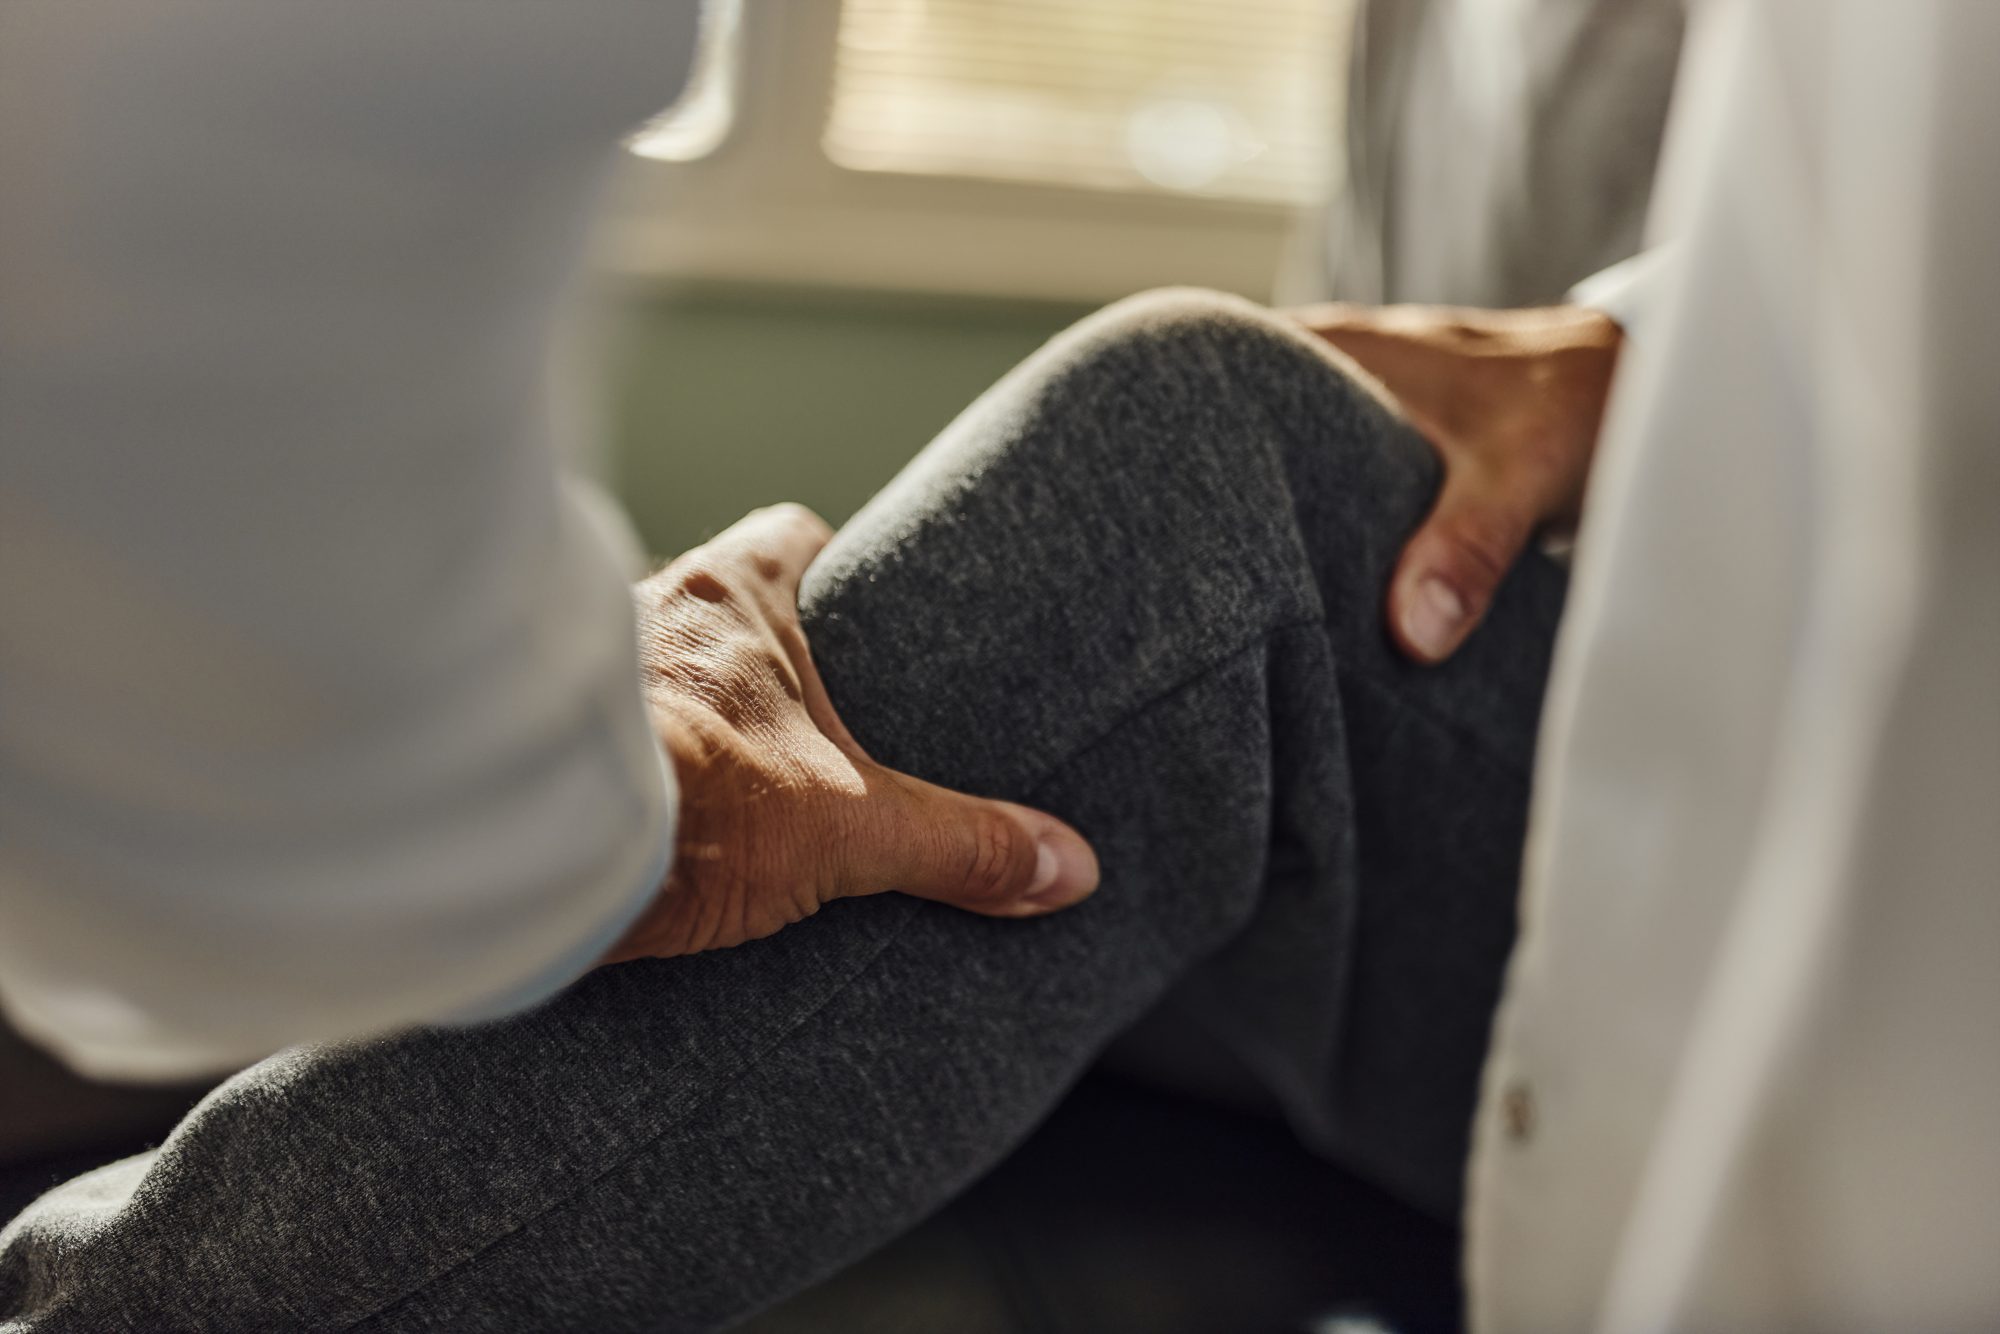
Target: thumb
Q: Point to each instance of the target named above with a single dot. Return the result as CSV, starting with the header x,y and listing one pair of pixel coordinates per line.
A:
x,y
990,857
1453,563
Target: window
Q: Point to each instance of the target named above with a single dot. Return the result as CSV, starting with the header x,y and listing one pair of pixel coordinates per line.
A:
x,y
1226,99
1070,150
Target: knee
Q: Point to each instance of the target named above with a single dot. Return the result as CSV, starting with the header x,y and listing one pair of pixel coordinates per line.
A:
x,y
1222,345
1199,369
1179,327
1181,310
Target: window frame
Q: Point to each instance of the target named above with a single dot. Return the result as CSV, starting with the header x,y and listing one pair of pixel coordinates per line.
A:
x,y
769,206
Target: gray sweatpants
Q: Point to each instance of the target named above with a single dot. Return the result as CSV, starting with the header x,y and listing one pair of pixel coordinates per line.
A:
x,y
1139,584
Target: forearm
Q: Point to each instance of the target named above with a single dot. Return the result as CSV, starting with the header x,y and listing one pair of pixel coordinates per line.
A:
x,y
322,712
283,851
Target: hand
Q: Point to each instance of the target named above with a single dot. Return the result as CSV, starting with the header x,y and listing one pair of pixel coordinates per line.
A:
x,y
780,808
1512,400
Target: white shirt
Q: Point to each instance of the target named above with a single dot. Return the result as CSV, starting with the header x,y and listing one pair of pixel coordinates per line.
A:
x,y
1745,1078
1496,151
319,709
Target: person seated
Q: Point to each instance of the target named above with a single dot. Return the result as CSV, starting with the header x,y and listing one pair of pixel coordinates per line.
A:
x,y
1107,666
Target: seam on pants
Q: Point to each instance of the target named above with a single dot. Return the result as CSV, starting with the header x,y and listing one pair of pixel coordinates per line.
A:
x,y
731,1074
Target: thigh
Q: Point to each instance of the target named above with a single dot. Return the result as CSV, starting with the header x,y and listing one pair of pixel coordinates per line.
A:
x,y
1137,584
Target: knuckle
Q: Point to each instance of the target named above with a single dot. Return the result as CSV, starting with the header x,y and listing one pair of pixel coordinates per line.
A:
x,y
799,516
1485,544
697,575
989,857
701,584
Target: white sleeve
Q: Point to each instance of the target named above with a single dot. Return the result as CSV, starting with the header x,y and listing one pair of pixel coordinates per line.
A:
x,y
1625,290
319,711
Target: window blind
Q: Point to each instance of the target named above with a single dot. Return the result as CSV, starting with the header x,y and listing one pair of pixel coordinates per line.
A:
x,y
1220,98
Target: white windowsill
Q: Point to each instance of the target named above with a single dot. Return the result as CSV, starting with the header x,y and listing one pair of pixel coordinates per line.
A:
x,y
768,206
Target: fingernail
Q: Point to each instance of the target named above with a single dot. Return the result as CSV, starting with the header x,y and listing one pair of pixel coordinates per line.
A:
x,y
1432,617
1047,867
1065,873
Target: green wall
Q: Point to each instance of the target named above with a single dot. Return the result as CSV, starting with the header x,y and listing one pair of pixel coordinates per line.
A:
x,y
726,399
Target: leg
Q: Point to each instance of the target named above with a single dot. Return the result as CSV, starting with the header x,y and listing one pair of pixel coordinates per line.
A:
x,y
1137,583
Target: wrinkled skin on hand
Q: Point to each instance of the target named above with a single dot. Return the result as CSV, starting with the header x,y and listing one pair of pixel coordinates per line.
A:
x,y
781,810
1512,400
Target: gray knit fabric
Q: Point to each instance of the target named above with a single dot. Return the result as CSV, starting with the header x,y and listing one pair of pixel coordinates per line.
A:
x,y
1139,583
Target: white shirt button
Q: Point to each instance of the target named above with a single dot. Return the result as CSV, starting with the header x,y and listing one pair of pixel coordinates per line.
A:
x,y
1517,1111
